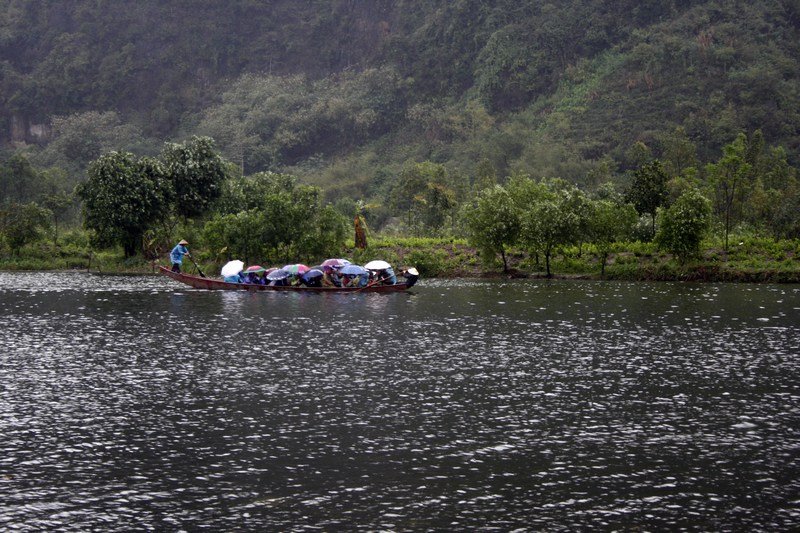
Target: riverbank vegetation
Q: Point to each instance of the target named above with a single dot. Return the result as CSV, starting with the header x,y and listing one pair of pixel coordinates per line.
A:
x,y
718,222
634,141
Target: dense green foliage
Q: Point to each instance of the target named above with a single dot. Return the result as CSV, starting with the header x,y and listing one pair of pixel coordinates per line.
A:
x,y
22,224
493,222
124,197
684,225
197,172
268,217
437,118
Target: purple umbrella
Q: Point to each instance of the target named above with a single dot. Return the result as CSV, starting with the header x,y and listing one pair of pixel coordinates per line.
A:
x,y
335,263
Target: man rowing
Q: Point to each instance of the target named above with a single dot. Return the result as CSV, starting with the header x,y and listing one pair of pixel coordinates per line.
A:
x,y
177,253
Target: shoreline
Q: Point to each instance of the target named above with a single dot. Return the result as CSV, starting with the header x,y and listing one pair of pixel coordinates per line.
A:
x,y
754,261
699,274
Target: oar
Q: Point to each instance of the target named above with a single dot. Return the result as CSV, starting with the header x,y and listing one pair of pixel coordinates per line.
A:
x,y
197,267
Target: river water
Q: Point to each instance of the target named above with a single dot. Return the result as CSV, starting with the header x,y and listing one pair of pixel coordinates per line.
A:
x,y
134,403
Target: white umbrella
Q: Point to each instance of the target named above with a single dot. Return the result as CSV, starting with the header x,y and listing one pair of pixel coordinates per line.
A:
x,y
232,268
377,265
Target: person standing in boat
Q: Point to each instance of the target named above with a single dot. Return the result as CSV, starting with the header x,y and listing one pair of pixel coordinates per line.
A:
x,y
177,253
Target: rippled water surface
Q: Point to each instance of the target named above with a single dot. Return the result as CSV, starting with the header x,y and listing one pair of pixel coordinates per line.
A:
x,y
135,403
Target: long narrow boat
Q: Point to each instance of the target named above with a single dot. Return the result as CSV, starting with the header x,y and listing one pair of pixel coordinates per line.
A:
x,y
217,284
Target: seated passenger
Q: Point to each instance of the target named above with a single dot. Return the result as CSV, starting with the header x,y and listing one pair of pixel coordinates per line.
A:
x,y
236,278
312,282
386,276
312,278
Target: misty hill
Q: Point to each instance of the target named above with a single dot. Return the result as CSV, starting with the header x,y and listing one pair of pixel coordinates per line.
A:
x,y
344,92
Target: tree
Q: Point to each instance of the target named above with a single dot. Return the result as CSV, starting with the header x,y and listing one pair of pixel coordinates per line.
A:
x,y
611,222
548,224
684,224
19,181
237,234
58,204
492,222
648,190
197,172
728,179
23,224
582,209
678,152
276,220
123,197
423,192
485,175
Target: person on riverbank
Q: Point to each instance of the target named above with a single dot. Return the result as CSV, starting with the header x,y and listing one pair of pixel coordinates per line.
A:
x,y
177,253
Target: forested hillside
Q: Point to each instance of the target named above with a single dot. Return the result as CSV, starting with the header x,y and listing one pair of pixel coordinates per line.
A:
x,y
348,95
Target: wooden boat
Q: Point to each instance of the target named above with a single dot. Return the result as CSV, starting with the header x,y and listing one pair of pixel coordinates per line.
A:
x,y
217,284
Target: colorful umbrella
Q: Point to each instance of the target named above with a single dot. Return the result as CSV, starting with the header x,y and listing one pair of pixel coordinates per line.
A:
x,y
277,274
335,263
296,269
232,268
377,265
255,268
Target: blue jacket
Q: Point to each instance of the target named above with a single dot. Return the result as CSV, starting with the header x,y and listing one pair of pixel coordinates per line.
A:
x,y
177,253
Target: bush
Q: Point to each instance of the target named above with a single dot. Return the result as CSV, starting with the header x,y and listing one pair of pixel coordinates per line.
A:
x,y
430,263
684,225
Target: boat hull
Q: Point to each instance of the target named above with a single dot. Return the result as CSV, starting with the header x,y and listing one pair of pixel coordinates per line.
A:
x,y
218,285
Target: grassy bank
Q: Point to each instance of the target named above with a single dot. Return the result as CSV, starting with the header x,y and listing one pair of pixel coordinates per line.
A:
x,y
746,260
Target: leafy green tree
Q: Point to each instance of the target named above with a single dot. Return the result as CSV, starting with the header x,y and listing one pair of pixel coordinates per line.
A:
x,y
424,194
611,222
678,152
549,224
123,197
58,204
236,235
684,224
492,222
728,179
485,175
785,214
326,234
648,190
276,220
197,172
23,224
582,210
20,182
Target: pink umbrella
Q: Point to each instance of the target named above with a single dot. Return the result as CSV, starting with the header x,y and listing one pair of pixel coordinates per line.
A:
x,y
335,263
255,268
